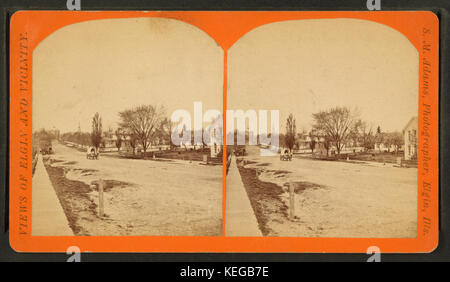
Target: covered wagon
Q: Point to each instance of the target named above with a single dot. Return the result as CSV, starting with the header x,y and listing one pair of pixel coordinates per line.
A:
x,y
92,153
45,147
286,155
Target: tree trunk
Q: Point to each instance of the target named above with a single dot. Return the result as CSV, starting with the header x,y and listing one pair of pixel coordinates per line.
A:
x,y
144,150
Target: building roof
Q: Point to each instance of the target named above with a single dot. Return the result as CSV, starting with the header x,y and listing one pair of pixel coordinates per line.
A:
x,y
412,120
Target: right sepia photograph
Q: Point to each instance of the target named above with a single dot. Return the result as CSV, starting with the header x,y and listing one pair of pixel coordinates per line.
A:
x,y
341,100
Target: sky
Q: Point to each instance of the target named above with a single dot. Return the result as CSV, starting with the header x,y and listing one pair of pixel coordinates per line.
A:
x,y
306,66
108,66
298,67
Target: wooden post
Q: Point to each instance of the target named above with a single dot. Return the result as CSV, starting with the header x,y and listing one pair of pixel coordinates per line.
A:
x,y
291,201
399,161
100,198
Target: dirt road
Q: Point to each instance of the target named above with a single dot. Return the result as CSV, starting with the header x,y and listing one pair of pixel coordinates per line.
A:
x,y
336,199
142,197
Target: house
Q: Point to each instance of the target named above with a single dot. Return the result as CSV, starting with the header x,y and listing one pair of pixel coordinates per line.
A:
x,y
108,141
322,145
382,147
410,138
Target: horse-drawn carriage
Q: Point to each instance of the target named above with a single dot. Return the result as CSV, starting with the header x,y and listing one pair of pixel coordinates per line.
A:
x,y
240,151
45,147
286,155
92,153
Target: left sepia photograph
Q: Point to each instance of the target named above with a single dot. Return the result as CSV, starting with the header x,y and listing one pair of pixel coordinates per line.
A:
x,y
104,161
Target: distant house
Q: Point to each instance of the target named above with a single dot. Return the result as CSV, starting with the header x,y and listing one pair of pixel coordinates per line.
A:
x,y
382,147
108,140
303,145
410,137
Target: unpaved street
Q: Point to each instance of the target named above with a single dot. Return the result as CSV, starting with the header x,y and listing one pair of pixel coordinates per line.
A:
x,y
336,199
142,197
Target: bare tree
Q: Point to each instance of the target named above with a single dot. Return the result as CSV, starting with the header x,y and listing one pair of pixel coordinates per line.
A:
x,y
165,131
312,143
327,144
336,123
144,122
397,140
118,134
184,130
393,139
289,138
355,134
133,141
96,134
379,137
367,138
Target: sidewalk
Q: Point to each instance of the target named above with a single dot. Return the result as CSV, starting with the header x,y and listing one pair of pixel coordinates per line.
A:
x,y
48,218
240,219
